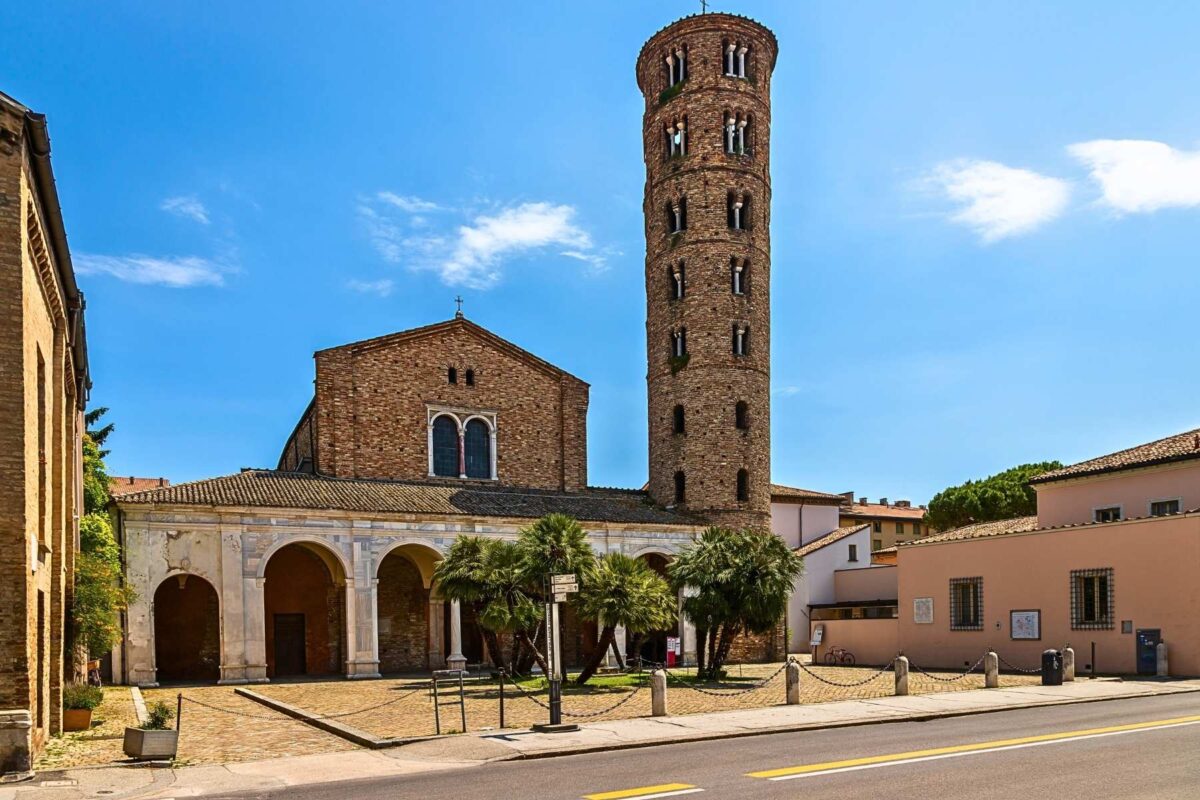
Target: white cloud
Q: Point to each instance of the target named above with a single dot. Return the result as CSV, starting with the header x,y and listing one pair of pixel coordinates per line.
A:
x,y
787,391
999,200
186,206
1137,176
412,205
382,287
176,272
473,254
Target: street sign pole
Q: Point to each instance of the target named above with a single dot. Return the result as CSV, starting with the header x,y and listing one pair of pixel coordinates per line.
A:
x,y
556,593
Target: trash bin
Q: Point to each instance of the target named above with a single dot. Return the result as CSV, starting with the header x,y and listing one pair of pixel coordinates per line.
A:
x,y
1052,668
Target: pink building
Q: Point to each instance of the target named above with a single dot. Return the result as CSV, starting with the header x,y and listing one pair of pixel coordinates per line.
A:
x,y
1109,561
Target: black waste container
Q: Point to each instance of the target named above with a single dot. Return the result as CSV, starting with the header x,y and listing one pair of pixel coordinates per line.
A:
x,y
1052,668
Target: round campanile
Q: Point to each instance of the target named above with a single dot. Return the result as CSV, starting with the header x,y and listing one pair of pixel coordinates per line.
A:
x,y
706,133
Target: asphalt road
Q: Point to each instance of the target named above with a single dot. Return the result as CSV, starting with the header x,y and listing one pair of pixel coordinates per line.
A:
x,y
1144,748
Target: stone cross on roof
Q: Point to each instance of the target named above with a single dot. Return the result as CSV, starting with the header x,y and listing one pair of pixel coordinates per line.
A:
x,y
458,301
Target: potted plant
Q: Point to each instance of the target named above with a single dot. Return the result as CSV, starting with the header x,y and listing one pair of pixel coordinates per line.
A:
x,y
79,700
154,738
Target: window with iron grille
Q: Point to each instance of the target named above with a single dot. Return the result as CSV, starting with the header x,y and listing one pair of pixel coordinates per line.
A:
x,y
1092,599
1164,508
966,604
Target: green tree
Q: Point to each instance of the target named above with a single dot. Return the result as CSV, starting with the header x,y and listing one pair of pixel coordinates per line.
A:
x,y
463,575
99,435
100,594
739,581
622,591
1005,495
95,478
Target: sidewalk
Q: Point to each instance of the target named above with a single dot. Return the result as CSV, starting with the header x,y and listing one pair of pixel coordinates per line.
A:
x,y
457,752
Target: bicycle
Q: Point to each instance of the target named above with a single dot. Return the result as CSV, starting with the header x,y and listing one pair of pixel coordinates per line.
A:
x,y
839,656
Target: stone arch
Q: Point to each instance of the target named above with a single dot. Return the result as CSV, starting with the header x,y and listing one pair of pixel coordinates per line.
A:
x,y
187,629
403,610
304,608
325,549
652,646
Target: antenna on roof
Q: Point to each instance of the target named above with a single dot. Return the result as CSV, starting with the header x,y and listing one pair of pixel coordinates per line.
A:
x,y
458,300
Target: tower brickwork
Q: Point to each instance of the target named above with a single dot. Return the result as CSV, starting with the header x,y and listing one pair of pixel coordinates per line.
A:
x,y
706,134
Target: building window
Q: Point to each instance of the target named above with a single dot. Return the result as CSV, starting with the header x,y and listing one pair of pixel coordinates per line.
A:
x,y
679,343
678,278
734,59
741,415
470,377
739,275
741,339
1092,599
445,447
1110,514
677,216
966,604
678,419
1164,508
899,528
853,553
677,66
877,526
737,134
677,137
680,488
477,449
738,211
916,529
877,544
452,375
743,486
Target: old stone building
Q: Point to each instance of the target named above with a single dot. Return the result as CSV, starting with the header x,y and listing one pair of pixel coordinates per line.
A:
x,y
324,565
43,387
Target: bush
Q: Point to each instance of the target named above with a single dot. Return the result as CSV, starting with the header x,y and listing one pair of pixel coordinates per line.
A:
x,y
81,695
159,718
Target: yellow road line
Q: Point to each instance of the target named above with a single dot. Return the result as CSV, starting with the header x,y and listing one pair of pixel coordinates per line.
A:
x,y
646,792
868,762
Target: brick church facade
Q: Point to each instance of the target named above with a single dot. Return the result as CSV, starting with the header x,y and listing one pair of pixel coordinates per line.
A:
x,y
324,564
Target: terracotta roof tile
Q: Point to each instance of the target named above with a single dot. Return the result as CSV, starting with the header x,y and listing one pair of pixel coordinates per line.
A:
x,y
979,530
785,493
125,484
873,510
1180,447
833,536
273,489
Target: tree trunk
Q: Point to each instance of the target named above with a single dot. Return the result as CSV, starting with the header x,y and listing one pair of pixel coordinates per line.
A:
x,y
493,646
537,656
701,651
728,634
608,637
617,654
635,647
713,635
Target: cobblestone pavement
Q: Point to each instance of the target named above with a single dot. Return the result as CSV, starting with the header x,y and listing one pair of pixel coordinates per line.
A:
x,y
243,730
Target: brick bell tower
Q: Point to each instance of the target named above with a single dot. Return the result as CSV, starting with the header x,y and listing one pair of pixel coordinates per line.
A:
x,y
706,133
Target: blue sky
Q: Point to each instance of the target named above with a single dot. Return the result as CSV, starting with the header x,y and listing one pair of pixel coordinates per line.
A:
x,y
984,225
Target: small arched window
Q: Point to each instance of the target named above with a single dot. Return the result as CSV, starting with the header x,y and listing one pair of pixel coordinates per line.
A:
x,y
679,343
678,419
738,211
677,66
452,375
739,275
470,377
741,339
738,131
743,486
741,415
677,215
678,280
445,447
477,449
735,57
680,488
677,137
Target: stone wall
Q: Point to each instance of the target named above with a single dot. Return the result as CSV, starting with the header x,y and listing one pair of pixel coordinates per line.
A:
x,y
712,380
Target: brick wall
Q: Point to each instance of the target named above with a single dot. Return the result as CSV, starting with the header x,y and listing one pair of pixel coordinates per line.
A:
x,y
373,398
403,617
299,582
712,449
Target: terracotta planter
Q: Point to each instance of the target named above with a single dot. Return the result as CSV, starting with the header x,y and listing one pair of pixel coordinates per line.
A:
x,y
145,744
77,719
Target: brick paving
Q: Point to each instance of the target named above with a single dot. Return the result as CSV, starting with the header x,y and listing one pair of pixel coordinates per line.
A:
x,y
99,745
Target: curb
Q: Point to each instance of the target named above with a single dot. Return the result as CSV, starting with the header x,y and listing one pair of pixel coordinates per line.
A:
x,y
348,732
915,717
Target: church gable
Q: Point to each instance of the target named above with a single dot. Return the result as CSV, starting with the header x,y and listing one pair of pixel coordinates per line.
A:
x,y
449,402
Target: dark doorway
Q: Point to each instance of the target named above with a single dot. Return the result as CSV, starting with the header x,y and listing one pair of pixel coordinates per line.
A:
x,y
187,630
289,645
42,678
306,581
1147,650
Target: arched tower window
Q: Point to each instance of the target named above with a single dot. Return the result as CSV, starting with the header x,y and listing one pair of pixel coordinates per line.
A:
x,y
738,132
678,419
735,57
445,447
470,377
477,449
678,280
680,487
452,375
743,485
741,339
677,66
741,415
677,215
677,137
738,210
739,275
679,343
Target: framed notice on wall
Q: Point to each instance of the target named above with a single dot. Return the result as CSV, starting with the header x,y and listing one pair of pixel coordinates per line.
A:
x,y
1025,624
923,610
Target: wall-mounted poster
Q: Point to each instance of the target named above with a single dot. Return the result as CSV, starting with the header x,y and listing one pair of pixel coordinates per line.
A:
x,y
1025,624
923,610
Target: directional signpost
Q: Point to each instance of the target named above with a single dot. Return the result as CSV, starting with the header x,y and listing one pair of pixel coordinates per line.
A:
x,y
560,587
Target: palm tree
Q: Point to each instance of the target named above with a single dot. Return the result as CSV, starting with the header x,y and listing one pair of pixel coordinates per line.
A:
x,y
741,581
555,544
463,575
622,591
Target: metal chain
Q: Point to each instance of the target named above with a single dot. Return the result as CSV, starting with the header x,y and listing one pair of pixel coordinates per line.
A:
x,y
727,692
958,677
863,682
230,711
580,714
526,694
1015,668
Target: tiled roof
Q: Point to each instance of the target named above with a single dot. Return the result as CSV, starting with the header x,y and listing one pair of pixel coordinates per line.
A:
x,y
273,489
785,493
979,530
1180,447
872,510
829,538
124,484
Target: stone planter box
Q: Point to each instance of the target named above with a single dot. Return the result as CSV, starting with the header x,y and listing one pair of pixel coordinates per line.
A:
x,y
143,744
77,719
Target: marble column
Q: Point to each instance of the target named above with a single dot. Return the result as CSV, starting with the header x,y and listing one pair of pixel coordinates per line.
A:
x,y
456,660
437,645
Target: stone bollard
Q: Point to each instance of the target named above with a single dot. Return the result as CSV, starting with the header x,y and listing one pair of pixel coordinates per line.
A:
x,y
793,683
991,670
1068,655
658,693
900,667
1164,669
